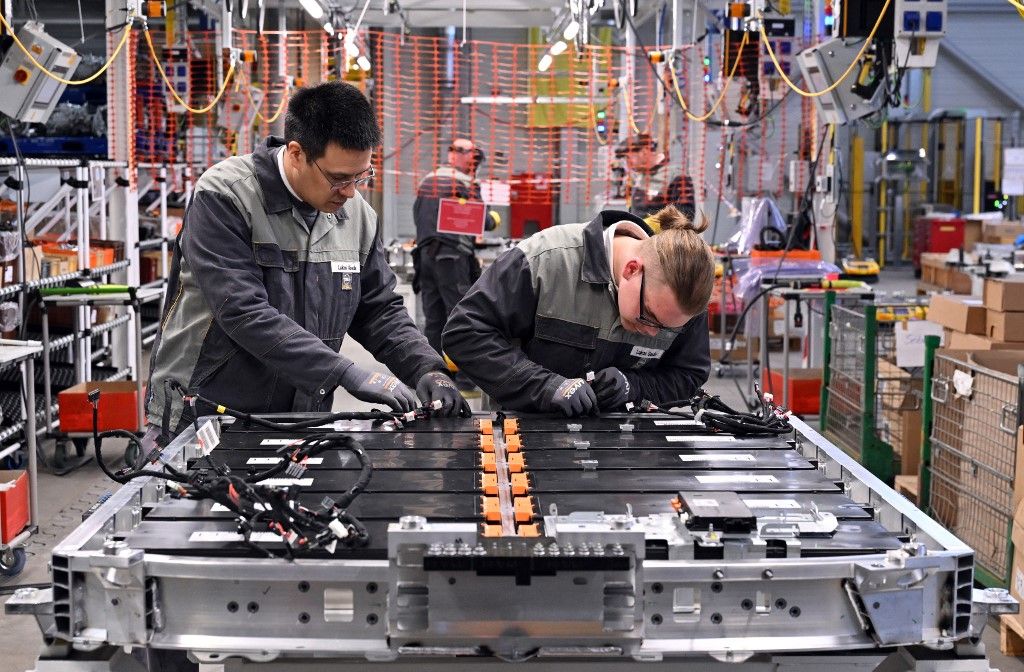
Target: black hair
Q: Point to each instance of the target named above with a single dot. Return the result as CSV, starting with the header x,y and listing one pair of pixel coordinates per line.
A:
x,y
331,112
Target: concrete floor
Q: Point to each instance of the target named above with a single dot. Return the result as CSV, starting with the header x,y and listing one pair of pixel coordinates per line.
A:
x,y
63,499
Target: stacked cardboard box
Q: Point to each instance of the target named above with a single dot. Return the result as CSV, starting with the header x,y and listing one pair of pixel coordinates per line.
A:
x,y
1004,303
899,414
1002,233
937,274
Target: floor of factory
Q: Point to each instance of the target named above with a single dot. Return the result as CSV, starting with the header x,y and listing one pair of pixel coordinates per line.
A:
x,y
63,499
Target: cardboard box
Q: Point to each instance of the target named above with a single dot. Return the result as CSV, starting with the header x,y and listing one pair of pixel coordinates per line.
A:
x,y
1005,294
957,312
1005,327
899,418
1017,569
13,503
957,340
972,232
1001,233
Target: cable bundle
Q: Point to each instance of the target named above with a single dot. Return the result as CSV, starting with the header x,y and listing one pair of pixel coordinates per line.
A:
x,y
260,508
768,420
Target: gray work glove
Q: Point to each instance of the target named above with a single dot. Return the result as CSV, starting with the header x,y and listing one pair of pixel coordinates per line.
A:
x,y
612,388
379,388
437,386
574,397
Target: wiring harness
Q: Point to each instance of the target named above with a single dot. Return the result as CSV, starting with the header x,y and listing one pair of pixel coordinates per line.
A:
x,y
259,508
768,419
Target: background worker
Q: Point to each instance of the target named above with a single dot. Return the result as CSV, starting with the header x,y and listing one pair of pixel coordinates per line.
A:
x,y
605,297
446,264
279,257
651,184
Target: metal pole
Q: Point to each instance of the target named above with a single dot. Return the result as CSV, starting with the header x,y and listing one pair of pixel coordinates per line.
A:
x,y
22,177
139,399
47,403
785,352
29,375
763,351
826,356
976,202
857,195
931,344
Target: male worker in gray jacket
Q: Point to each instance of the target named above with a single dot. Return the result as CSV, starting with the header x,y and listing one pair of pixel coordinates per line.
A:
x,y
278,258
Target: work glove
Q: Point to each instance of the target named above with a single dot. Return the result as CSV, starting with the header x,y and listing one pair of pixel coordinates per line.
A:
x,y
612,389
380,388
574,397
437,386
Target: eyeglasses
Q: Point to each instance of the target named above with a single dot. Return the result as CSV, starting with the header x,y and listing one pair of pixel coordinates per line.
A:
x,y
339,185
646,319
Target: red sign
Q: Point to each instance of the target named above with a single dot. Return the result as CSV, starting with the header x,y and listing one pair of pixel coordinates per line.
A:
x,y
461,217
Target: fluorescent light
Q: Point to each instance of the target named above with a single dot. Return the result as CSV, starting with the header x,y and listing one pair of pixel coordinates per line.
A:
x,y
545,62
363,62
313,7
245,8
350,44
329,27
558,48
571,31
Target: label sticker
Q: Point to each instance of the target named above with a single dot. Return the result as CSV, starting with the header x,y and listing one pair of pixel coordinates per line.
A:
x,y
719,457
219,536
1018,582
703,438
301,482
207,437
220,508
646,353
705,501
344,267
736,478
278,442
678,423
771,504
275,460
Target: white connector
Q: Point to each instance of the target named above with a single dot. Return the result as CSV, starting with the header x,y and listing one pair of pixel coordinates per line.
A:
x,y
338,528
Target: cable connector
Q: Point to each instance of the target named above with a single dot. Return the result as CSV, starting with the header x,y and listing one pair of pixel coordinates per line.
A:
x,y
94,397
295,469
339,529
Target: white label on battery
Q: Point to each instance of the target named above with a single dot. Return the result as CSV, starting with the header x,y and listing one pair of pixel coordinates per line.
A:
x,y
218,536
646,353
678,423
278,442
719,457
344,266
207,437
706,501
275,460
301,482
701,438
220,508
771,504
736,478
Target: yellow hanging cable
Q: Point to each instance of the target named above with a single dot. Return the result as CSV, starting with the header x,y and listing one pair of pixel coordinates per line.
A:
x,y
593,123
1016,3
70,82
629,110
721,96
856,60
170,86
277,113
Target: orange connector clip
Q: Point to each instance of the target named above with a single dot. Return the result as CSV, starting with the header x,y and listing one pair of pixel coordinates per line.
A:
x,y
531,530
491,509
516,464
487,443
492,530
489,484
523,509
487,462
520,484
511,426
513,443
486,426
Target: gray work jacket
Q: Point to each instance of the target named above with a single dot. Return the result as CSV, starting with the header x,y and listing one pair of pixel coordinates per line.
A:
x,y
445,182
546,310
258,304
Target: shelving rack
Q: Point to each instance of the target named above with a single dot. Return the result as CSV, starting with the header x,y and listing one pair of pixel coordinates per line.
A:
x,y
83,204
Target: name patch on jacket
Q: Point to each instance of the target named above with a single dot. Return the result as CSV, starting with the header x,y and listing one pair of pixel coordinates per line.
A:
x,y
344,267
646,353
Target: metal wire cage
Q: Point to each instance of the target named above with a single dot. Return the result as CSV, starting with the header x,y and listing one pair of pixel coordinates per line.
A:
x,y
870,406
976,413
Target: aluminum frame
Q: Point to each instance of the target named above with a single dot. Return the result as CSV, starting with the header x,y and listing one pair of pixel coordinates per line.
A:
x,y
107,593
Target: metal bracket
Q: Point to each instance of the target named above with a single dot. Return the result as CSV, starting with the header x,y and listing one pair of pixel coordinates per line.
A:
x,y
990,602
940,384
